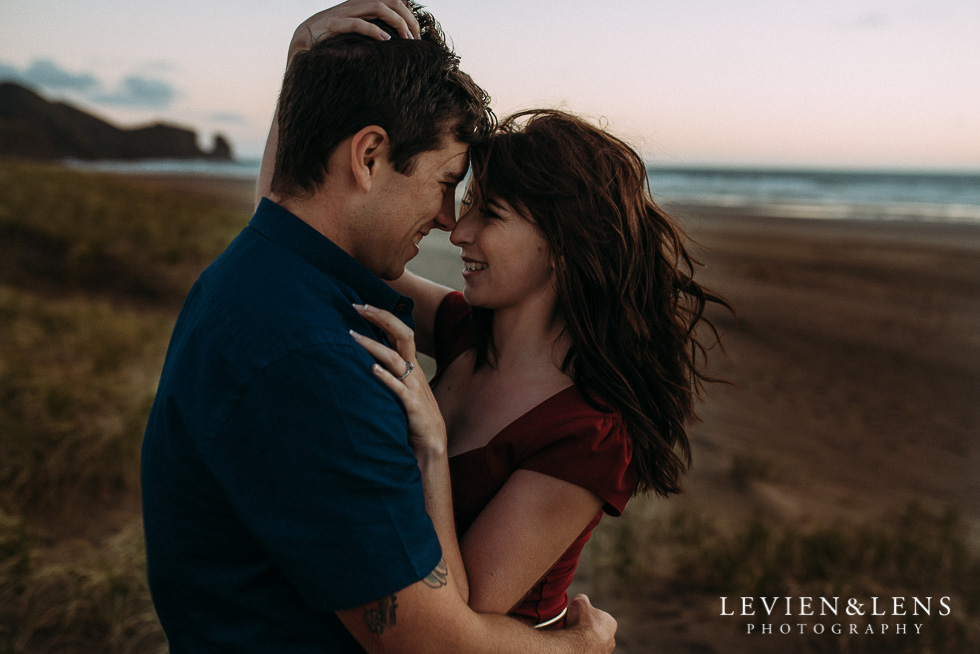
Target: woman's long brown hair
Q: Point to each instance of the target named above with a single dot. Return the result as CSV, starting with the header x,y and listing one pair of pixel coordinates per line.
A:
x,y
624,279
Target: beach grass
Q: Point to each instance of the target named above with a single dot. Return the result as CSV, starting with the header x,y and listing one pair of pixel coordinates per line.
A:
x,y
79,596
78,377
94,269
85,327
926,559
71,231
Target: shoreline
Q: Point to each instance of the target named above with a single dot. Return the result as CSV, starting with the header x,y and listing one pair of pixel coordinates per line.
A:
x,y
695,217
869,214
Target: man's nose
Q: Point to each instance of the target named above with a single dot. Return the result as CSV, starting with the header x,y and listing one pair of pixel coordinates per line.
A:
x,y
446,218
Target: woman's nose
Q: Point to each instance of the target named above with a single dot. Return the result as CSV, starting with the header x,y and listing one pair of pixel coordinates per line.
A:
x,y
462,233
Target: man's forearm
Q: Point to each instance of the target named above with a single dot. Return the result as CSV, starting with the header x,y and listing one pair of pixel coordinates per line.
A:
x,y
504,634
422,618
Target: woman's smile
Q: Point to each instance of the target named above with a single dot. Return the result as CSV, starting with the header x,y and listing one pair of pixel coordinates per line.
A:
x,y
471,266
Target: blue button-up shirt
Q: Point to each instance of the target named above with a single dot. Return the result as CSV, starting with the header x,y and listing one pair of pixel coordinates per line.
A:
x,y
278,482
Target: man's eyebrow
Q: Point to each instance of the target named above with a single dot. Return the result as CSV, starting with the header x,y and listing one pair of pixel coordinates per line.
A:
x,y
453,176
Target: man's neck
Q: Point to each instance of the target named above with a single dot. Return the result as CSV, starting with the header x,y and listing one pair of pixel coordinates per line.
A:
x,y
320,212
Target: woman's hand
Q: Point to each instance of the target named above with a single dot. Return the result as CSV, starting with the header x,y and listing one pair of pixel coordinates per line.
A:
x,y
352,17
427,429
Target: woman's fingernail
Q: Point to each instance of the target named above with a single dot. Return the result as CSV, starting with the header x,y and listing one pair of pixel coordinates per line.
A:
x,y
385,36
363,307
356,335
376,368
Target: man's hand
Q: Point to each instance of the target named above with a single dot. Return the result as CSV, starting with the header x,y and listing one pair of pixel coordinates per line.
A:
x,y
598,627
433,618
352,17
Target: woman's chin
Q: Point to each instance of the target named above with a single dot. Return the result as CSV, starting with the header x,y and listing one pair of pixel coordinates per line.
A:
x,y
472,297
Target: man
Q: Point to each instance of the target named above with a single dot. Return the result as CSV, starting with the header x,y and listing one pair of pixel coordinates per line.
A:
x,y
283,505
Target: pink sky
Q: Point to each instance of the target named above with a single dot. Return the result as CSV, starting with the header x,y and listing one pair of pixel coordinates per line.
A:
x,y
763,82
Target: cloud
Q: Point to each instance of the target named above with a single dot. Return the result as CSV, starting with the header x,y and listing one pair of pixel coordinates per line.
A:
x,y
136,91
140,92
871,20
10,74
159,66
228,117
47,75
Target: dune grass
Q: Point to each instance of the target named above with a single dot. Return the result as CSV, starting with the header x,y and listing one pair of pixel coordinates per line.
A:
x,y
917,553
98,233
94,268
82,339
77,379
77,597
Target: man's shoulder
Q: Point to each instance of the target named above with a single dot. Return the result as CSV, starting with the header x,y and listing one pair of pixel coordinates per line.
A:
x,y
264,291
249,309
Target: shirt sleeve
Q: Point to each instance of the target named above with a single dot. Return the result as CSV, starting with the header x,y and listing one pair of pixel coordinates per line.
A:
x,y
315,461
592,452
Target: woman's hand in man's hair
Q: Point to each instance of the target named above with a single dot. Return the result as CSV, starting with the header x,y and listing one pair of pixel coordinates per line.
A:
x,y
354,17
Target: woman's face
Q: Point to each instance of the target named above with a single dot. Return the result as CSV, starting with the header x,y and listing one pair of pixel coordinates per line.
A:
x,y
505,257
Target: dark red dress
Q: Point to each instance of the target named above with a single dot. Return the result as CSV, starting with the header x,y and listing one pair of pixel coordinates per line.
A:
x,y
563,437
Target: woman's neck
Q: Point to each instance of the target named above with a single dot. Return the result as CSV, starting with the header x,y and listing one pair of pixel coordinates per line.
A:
x,y
529,335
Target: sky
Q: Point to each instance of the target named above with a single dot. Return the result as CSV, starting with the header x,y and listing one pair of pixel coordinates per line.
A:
x,y
783,83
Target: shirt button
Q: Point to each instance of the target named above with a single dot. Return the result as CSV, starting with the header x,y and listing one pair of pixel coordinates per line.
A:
x,y
401,307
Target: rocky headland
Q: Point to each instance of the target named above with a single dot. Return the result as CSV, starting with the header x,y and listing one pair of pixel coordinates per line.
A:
x,y
32,127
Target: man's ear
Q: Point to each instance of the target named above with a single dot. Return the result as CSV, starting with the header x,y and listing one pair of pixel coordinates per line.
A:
x,y
368,148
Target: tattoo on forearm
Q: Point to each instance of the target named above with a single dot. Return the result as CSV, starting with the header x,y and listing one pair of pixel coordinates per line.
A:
x,y
377,620
437,578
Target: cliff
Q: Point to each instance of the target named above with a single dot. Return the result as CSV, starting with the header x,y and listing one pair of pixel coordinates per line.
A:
x,y
34,128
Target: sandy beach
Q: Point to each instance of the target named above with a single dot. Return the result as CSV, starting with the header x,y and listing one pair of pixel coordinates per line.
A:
x,y
855,371
856,360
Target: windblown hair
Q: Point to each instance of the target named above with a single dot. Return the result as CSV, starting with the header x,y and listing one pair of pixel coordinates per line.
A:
x,y
413,88
624,279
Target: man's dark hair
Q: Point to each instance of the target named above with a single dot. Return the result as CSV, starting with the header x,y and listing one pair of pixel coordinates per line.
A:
x,y
412,88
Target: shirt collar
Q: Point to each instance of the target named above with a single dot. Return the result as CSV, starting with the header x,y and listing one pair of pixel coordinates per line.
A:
x,y
285,228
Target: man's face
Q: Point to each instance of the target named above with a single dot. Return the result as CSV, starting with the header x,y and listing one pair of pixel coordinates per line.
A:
x,y
404,208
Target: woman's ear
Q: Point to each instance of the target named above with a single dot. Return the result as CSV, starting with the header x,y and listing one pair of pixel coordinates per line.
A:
x,y
368,148
557,261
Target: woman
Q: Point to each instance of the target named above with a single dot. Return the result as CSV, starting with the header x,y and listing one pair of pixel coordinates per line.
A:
x,y
568,367
566,370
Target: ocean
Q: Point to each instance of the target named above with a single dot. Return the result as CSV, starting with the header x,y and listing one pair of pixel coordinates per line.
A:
x,y
241,169
831,194
948,197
